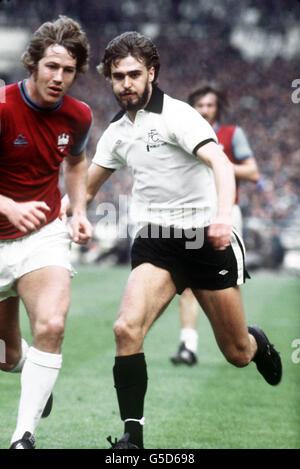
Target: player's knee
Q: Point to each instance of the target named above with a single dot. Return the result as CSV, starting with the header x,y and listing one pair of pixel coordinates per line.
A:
x,y
125,332
239,356
51,329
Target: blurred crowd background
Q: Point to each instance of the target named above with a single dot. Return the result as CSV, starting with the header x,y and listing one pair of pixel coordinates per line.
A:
x,y
250,48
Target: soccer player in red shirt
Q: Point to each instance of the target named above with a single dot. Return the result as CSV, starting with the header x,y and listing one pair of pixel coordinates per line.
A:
x,y
210,102
41,127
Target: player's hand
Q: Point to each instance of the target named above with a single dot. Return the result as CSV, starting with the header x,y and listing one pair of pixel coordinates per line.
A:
x,y
27,216
219,234
82,230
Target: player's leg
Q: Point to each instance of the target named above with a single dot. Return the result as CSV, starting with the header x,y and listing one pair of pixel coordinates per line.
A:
x,y
224,309
10,332
239,344
148,292
15,347
188,338
189,310
46,296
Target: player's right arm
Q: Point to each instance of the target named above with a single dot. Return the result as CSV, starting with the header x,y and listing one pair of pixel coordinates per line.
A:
x,y
25,216
97,175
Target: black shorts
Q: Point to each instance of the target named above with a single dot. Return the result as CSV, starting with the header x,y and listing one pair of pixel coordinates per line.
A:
x,y
190,257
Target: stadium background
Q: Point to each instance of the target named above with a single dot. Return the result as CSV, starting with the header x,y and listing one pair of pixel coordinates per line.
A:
x,y
251,49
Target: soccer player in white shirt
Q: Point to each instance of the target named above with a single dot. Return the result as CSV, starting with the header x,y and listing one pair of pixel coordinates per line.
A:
x,y
183,186
210,101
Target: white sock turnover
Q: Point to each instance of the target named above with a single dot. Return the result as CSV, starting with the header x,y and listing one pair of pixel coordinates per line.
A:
x,y
190,338
38,378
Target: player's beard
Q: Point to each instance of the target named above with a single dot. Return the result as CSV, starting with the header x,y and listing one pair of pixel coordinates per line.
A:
x,y
129,105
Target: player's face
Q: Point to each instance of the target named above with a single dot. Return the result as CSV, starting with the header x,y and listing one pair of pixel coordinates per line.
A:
x,y
131,82
207,106
54,75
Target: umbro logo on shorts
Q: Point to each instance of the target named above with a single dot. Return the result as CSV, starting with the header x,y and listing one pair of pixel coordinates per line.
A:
x,y
223,272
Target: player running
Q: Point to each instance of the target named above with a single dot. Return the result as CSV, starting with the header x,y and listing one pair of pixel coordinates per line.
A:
x,y
211,102
182,199
40,128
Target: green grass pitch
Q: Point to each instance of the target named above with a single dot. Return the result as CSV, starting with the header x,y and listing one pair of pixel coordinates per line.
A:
x,y
210,406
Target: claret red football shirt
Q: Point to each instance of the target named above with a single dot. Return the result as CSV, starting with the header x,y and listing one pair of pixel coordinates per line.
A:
x,y
33,143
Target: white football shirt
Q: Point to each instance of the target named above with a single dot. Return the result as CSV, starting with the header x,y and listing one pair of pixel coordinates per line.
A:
x,y
171,186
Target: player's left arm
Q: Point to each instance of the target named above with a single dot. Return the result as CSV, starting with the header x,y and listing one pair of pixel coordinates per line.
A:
x,y
219,231
75,178
247,170
245,166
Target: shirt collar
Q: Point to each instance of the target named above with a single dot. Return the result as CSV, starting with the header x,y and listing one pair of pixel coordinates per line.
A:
x,y
31,103
156,100
155,103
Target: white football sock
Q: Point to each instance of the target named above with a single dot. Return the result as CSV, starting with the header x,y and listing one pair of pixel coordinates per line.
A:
x,y
19,366
190,338
38,378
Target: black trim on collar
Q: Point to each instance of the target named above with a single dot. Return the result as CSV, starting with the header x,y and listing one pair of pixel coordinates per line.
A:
x,y
156,101
117,116
155,104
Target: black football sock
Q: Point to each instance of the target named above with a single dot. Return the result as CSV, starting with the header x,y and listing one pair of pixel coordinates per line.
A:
x,y
130,376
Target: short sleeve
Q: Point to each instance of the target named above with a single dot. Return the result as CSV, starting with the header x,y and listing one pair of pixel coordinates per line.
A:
x,y
82,143
105,155
84,126
240,145
191,130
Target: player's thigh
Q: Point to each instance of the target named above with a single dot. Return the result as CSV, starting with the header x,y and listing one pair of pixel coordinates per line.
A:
x,y
148,292
45,293
225,311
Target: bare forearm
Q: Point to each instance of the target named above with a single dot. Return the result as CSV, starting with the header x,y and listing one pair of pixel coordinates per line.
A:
x,y
223,171
225,185
219,232
247,171
96,178
75,177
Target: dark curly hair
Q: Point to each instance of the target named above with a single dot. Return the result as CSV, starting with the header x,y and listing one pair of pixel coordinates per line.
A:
x,y
130,43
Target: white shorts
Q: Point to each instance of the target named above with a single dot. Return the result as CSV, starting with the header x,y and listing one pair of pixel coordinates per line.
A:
x,y
48,246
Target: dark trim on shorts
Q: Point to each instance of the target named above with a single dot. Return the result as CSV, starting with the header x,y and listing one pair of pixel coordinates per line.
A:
x,y
246,274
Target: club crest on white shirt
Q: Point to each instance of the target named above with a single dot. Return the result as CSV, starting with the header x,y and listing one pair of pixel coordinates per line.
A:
x,y
154,140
